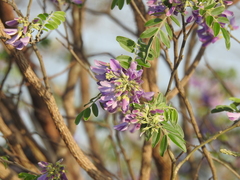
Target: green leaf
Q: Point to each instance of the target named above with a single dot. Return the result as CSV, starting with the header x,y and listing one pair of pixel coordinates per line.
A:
x,y
59,13
147,134
86,114
163,145
234,99
223,20
178,141
169,31
56,20
124,58
52,23
216,28
218,10
27,176
156,138
169,128
174,117
79,117
209,20
126,43
210,6
179,130
164,38
128,1
125,64
49,26
149,32
152,22
114,3
60,18
95,109
157,46
141,63
226,36
42,17
221,108
175,20
120,4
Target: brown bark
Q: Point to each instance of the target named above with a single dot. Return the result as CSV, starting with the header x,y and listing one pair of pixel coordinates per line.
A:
x,y
49,100
7,173
16,147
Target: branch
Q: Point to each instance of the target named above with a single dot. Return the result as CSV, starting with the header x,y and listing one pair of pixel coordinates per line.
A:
x,y
50,102
202,144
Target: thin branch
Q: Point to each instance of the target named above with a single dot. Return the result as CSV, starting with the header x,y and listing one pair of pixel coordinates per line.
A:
x,y
220,80
201,145
125,157
45,79
227,166
2,160
28,9
138,11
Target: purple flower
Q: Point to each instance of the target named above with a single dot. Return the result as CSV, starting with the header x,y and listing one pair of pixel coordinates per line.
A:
x,y
52,171
10,32
76,1
119,87
227,2
21,43
233,116
157,8
233,25
12,23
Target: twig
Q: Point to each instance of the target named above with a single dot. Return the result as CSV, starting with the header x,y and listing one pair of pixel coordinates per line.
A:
x,y
112,18
6,74
202,144
138,11
78,60
28,9
198,168
18,165
45,79
125,156
220,80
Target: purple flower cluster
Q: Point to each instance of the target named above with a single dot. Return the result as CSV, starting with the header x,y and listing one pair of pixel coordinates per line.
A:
x,y
119,87
158,7
51,171
21,35
148,116
121,91
205,34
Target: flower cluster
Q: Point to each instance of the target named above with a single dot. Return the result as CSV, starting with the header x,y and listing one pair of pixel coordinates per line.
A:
x,y
119,87
52,171
147,116
205,34
161,7
21,35
200,11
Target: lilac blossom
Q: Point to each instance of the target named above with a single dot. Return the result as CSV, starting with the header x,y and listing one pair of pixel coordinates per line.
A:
x,y
233,116
52,171
119,87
